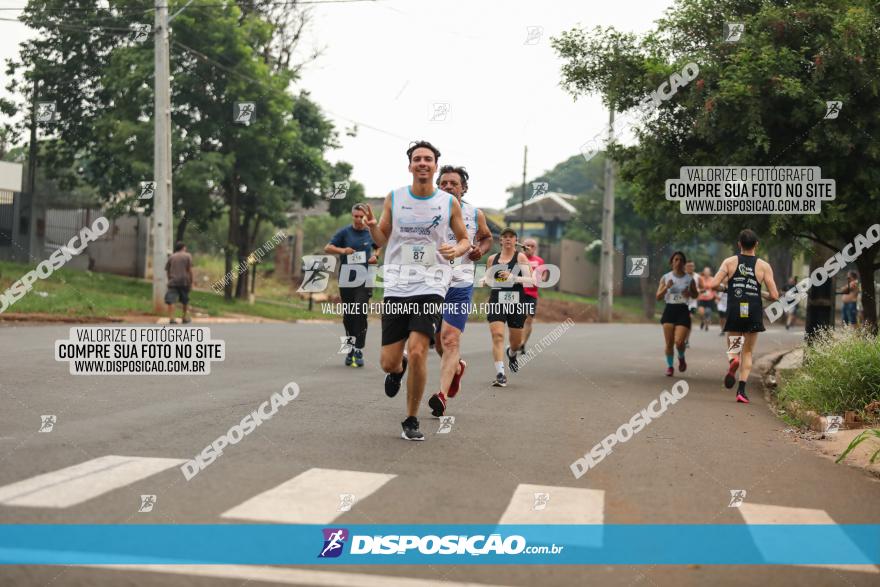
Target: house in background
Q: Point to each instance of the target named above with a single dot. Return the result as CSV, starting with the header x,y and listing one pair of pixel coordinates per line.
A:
x,y
552,210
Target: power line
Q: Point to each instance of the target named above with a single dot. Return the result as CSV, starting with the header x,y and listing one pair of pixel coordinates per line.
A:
x,y
202,5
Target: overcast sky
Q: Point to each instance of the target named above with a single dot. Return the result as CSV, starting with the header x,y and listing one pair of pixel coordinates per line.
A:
x,y
387,63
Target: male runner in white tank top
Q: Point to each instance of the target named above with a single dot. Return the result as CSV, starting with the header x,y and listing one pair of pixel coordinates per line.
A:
x,y
413,230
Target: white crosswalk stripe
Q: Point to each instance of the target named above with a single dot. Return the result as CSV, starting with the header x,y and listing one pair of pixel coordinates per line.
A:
x,y
314,497
544,504
73,485
756,513
289,576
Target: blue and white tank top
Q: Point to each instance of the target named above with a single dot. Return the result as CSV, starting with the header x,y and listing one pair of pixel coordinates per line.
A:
x,y
413,263
463,267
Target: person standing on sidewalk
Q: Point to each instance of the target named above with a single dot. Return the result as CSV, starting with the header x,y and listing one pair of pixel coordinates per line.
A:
x,y
180,280
355,246
850,299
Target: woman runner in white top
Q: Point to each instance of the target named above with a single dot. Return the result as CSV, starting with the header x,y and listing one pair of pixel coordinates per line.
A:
x,y
676,288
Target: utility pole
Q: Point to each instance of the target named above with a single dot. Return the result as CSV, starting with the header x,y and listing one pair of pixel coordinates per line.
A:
x,y
606,267
32,242
162,226
522,208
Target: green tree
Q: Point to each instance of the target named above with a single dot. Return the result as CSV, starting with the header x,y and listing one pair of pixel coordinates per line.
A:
x,y
101,78
759,101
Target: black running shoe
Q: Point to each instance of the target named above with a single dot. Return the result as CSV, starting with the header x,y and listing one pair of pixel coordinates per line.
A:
x,y
500,380
411,429
392,380
511,361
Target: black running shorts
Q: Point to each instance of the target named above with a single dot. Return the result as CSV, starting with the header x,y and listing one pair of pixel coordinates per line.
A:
x,y
677,314
400,316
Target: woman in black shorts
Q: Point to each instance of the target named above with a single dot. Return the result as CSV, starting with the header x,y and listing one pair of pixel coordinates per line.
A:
x,y
506,304
676,288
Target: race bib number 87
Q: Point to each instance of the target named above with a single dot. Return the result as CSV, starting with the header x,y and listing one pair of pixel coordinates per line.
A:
x,y
419,254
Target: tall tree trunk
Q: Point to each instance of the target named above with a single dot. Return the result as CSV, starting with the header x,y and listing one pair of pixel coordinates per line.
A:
x,y
244,251
232,236
780,260
181,227
865,263
648,283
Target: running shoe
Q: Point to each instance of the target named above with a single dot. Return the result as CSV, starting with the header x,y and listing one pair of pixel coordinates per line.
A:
x,y
186,320
437,403
455,384
511,361
500,380
682,365
349,358
730,377
392,381
670,371
172,321
741,397
411,429
358,358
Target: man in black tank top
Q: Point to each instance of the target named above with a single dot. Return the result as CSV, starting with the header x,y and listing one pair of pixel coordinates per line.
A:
x,y
745,273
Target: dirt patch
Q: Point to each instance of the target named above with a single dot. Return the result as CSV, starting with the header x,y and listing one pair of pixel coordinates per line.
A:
x,y
56,318
559,311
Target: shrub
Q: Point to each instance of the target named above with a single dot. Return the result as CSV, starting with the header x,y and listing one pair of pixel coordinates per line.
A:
x,y
841,372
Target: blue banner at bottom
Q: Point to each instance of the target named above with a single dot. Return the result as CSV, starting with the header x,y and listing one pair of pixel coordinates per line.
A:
x,y
673,544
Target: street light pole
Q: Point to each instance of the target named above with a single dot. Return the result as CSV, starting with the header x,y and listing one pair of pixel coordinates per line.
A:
x,y
162,210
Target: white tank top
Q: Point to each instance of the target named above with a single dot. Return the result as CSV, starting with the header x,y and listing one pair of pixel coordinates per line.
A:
x,y
413,265
679,286
462,267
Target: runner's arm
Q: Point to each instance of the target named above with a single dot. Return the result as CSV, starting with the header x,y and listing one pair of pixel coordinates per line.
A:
x,y
456,223
525,269
769,282
661,291
380,230
483,239
693,290
720,276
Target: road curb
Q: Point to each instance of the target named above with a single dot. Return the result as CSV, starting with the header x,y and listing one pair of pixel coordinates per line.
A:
x,y
834,444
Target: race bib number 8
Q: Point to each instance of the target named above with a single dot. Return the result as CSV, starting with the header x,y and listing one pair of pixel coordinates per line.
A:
x,y
419,254
358,257
743,309
508,297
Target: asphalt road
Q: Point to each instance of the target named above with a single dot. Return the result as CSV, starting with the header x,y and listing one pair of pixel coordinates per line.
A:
x,y
504,443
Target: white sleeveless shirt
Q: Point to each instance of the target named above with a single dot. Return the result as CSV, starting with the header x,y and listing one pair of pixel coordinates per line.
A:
x,y
463,267
413,265
679,286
